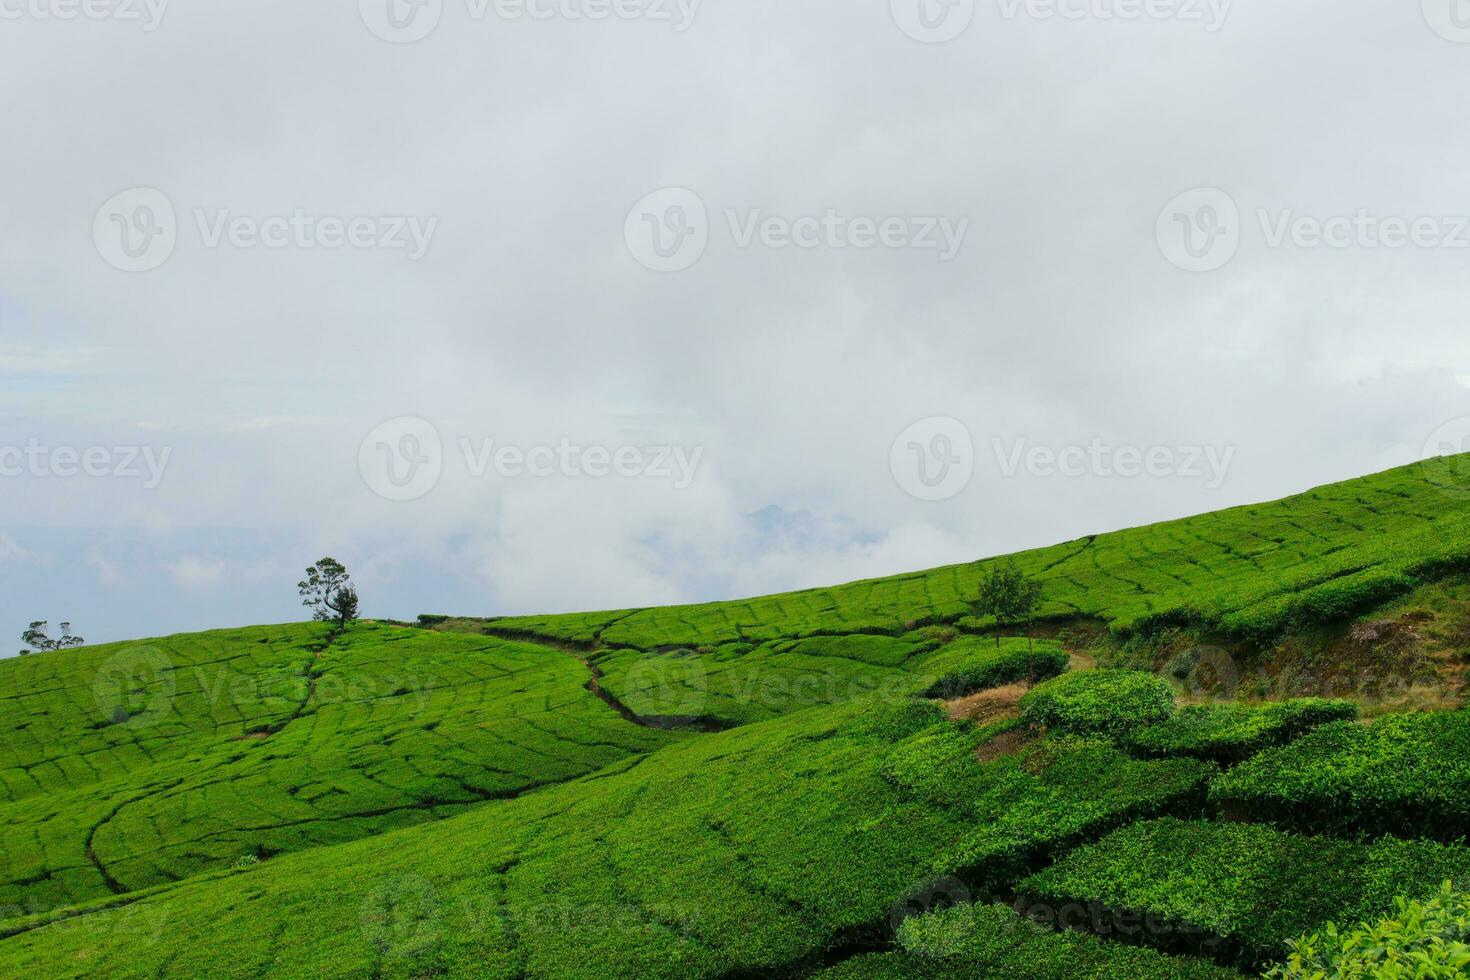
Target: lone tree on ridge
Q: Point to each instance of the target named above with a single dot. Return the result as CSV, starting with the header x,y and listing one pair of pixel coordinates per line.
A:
x,y
1008,595
328,591
37,637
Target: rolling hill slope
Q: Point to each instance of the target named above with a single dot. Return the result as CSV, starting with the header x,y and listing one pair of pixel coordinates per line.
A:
x,y
1251,571
737,789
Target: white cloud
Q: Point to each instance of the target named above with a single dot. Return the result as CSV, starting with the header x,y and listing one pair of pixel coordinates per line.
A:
x,y
11,553
108,575
196,572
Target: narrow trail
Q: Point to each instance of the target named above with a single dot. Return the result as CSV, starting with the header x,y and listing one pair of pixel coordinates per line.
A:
x,y
1001,703
582,653
594,684
113,885
271,730
988,706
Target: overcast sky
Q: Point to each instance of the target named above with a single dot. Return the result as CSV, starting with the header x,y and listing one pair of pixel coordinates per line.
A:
x,y
519,313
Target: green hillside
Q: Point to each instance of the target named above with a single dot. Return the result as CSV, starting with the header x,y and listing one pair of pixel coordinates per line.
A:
x,y
139,764
1251,571
766,787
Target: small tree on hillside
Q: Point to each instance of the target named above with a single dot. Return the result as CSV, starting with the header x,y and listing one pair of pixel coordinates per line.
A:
x,y
37,637
1008,595
328,591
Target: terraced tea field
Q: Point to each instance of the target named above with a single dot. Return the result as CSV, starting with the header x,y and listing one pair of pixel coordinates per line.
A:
x,y
264,741
770,787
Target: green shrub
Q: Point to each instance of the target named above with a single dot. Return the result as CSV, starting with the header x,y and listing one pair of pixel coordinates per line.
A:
x,y
1228,733
992,941
974,664
1422,940
1240,891
1102,701
1406,774
1048,796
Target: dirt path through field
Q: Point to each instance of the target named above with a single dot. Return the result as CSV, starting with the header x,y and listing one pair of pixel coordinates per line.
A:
x,y
1000,703
986,707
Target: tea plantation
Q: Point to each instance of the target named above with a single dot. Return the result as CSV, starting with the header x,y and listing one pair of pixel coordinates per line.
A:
x,y
773,787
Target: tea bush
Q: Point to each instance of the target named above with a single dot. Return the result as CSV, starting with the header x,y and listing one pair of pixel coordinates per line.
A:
x,y
992,941
1105,701
1421,940
1228,733
1241,890
1406,774
974,664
